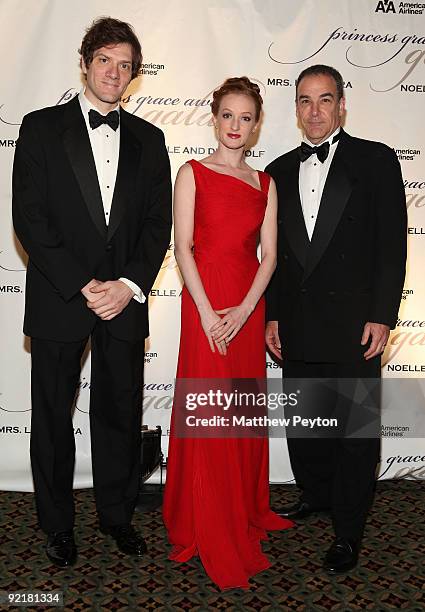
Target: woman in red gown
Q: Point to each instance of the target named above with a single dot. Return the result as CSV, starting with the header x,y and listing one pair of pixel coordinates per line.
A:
x,y
216,502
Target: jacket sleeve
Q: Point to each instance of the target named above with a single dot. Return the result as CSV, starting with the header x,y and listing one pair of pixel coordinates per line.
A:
x,y
391,239
154,239
41,241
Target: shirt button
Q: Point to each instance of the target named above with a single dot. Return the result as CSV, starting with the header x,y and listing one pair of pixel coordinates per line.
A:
x,y
312,190
107,186
312,216
107,161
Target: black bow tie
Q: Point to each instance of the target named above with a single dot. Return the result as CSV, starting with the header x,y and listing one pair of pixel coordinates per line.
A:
x,y
322,151
112,119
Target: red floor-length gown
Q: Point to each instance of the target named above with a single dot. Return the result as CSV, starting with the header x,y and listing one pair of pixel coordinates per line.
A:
x,y
216,502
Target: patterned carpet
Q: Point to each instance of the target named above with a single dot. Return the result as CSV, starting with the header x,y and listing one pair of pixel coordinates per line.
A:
x,y
390,575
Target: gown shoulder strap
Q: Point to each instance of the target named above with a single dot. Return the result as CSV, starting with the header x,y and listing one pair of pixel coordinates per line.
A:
x,y
264,181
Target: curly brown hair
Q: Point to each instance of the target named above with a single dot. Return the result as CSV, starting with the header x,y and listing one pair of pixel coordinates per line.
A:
x,y
106,31
238,85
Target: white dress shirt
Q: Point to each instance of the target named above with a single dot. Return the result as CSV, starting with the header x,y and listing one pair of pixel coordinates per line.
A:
x,y
105,145
312,178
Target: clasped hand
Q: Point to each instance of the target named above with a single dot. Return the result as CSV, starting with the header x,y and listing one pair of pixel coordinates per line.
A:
x,y
226,328
221,330
108,299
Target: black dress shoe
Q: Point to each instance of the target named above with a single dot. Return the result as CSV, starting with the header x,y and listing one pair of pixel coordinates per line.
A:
x,y
127,539
299,510
342,556
61,549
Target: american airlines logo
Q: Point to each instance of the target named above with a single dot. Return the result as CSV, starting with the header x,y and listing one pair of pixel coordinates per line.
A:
x,y
385,6
404,8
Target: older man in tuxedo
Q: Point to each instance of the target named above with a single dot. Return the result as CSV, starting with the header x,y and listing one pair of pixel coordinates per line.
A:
x,y
335,296
92,208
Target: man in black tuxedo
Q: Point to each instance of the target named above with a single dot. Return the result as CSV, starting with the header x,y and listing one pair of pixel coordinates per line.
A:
x,y
92,208
335,295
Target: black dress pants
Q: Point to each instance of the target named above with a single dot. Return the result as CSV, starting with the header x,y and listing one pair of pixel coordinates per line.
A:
x,y
115,418
338,472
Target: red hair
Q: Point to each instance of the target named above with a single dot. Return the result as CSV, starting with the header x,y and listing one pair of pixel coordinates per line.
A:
x,y
238,85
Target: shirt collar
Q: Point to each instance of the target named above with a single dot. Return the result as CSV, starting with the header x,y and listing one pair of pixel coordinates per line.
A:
x,y
86,105
329,139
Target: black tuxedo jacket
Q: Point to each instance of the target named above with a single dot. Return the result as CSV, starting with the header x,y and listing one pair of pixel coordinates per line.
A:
x,y
58,217
352,271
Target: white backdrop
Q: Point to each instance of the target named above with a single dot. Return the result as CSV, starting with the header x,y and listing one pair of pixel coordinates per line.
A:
x,y
190,47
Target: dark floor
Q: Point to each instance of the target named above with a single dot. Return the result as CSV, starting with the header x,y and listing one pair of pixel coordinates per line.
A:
x,y
390,574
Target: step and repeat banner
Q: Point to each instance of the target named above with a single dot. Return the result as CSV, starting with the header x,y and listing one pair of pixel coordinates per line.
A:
x,y
190,47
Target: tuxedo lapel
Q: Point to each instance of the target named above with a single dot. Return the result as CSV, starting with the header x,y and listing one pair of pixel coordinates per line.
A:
x,y
336,192
77,146
125,184
292,217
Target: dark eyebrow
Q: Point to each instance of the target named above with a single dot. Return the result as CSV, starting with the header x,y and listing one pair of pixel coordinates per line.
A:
x,y
122,61
328,94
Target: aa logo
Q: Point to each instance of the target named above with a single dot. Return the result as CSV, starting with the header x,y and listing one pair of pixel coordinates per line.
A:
x,y
386,6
